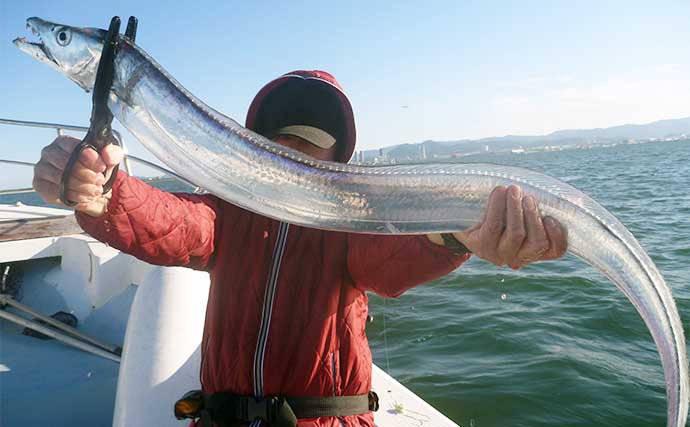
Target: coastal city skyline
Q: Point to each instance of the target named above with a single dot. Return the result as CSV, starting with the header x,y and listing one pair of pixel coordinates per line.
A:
x,y
669,130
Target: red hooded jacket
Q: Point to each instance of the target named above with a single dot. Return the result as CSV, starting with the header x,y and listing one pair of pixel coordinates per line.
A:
x,y
290,325
287,305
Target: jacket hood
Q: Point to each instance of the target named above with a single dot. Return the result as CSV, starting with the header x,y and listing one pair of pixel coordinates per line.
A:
x,y
313,98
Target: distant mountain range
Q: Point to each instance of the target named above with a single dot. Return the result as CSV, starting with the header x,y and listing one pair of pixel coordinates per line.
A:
x,y
659,130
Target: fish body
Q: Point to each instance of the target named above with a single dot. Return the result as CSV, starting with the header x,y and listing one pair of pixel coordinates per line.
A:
x,y
250,171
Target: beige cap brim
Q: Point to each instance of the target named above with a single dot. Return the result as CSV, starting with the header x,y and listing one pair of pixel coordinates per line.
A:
x,y
315,136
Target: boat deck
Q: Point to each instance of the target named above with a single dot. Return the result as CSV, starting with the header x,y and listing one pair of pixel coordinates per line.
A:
x,y
45,382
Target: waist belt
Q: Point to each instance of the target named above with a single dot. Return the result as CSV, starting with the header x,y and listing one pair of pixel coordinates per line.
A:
x,y
224,408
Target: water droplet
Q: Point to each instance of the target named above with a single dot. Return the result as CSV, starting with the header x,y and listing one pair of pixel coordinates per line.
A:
x,y
504,297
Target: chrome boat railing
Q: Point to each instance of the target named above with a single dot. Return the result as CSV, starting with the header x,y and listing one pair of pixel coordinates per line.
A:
x,y
60,128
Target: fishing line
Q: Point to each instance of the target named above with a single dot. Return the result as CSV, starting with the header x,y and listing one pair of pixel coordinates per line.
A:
x,y
385,338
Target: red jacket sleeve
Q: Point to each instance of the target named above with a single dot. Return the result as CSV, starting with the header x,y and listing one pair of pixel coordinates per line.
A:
x,y
156,226
390,265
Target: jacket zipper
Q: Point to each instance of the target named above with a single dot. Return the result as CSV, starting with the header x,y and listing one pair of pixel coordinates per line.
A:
x,y
333,367
266,311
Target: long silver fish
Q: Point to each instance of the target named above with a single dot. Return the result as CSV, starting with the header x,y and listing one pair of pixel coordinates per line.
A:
x,y
250,171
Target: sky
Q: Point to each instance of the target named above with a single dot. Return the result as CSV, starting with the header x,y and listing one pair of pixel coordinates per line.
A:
x,y
414,71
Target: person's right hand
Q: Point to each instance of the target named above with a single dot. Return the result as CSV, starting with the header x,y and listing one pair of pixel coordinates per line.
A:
x,y
85,185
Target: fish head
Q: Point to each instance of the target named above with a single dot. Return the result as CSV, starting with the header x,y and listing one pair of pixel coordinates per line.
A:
x,y
73,51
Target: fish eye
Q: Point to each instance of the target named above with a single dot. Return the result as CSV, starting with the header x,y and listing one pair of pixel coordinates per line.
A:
x,y
63,37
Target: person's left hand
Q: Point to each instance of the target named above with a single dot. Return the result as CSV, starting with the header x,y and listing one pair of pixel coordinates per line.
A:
x,y
513,232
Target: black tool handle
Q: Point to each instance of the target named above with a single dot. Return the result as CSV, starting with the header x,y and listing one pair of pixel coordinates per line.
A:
x,y
101,117
100,132
131,31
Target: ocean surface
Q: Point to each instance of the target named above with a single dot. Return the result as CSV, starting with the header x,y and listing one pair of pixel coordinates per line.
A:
x,y
554,344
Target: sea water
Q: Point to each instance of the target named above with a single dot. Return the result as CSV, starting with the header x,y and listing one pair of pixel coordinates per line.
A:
x,y
555,343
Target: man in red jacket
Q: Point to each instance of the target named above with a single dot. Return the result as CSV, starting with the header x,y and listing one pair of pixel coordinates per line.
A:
x,y
287,306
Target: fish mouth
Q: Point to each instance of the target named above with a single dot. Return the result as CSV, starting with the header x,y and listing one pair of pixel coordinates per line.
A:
x,y
35,49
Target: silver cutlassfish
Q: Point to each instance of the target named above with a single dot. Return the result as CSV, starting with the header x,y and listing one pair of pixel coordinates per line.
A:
x,y
250,171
